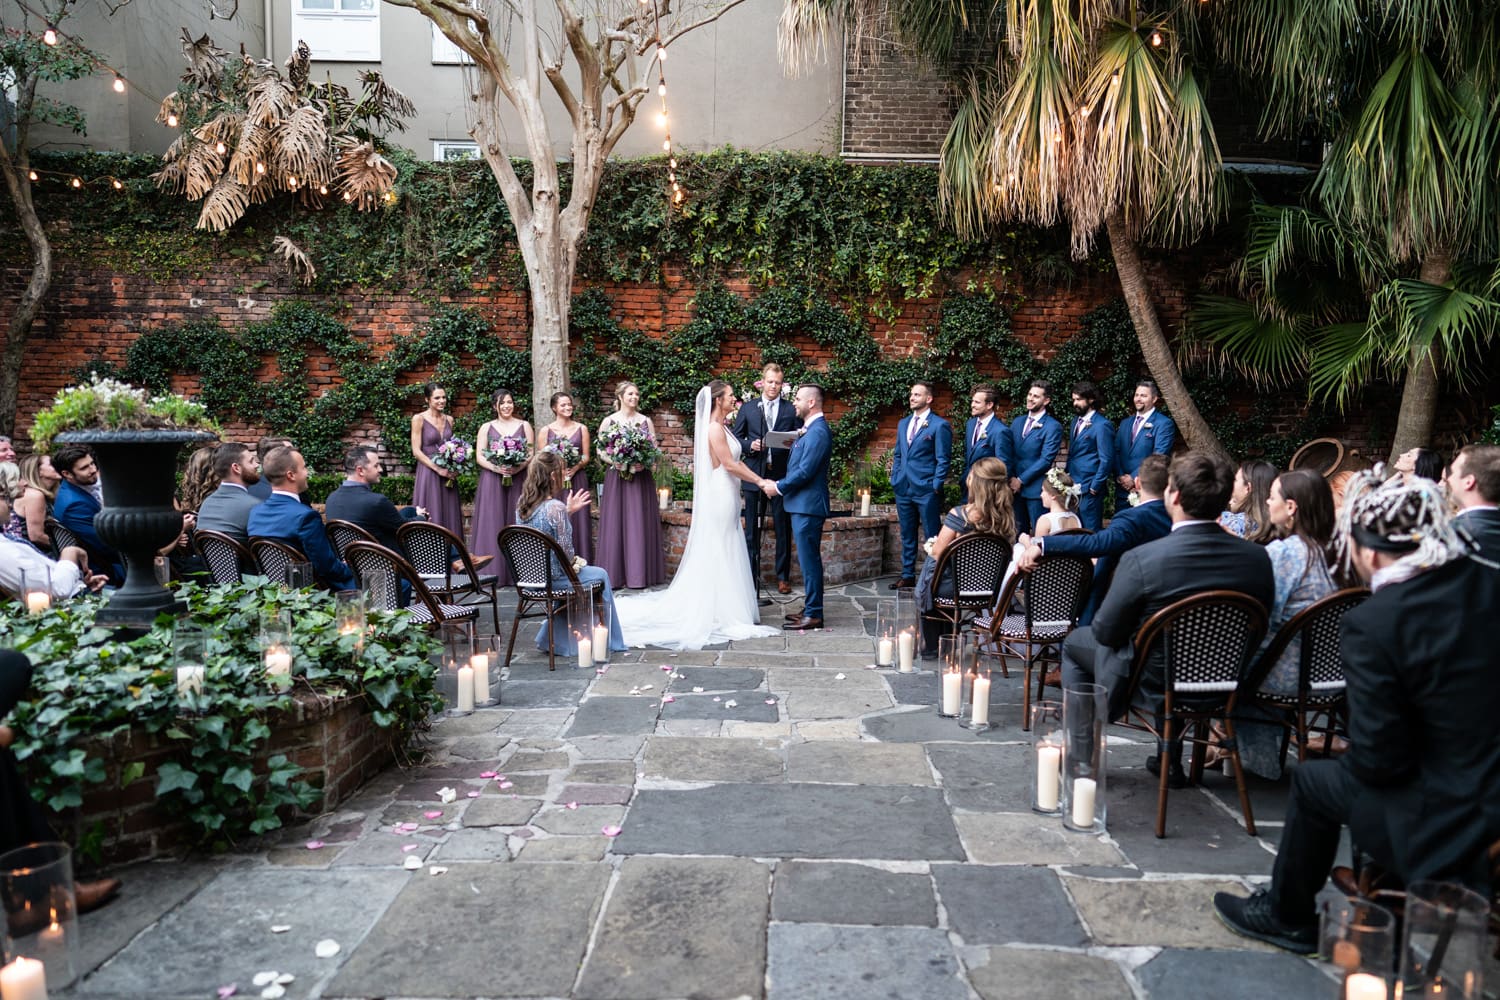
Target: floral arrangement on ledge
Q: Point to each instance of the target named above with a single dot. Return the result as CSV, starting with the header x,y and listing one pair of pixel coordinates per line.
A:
x,y
105,404
87,686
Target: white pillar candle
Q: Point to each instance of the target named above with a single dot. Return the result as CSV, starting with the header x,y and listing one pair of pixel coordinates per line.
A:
x,y
1048,775
1083,801
23,979
601,642
465,689
278,662
480,662
886,649
585,652
663,498
38,601
908,644
189,680
864,504
979,710
1364,986
953,691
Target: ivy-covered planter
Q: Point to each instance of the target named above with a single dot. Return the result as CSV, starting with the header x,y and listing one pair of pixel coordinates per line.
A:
x,y
138,469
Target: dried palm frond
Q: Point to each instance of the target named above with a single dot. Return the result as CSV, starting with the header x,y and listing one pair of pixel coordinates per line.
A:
x,y
205,59
806,33
251,148
302,143
363,173
224,206
297,262
382,103
298,64
269,100
171,105
172,176
224,127
202,168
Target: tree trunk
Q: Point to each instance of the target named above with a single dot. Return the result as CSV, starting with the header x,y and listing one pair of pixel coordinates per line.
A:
x,y
1154,346
30,302
551,281
1419,395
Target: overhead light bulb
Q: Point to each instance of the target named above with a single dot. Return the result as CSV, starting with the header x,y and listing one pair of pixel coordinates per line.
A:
x,y
661,53
1114,79
1156,39
672,163
77,183
31,175
260,167
661,119
677,198
291,180
661,89
666,145
119,186
219,148
1084,111
119,84
50,35
348,196
1057,136
171,121
322,189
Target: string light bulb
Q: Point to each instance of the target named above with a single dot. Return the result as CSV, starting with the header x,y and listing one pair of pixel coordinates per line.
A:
x,y
1057,136
260,167
348,196
672,163
1114,78
171,119
119,84
31,175
50,35
666,145
661,89
322,189
661,53
219,148
390,197
291,180
118,184
677,198
1156,39
661,119
78,183
1084,111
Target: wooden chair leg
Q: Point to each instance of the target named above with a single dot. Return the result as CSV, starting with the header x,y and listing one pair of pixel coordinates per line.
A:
x,y
1166,770
1026,700
515,626
1041,678
1239,777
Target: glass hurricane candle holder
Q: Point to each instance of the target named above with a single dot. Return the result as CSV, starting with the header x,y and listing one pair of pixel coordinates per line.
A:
x,y
36,589
599,638
456,679
488,654
886,629
349,615
953,654
1047,751
300,576
664,497
1443,941
1085,713
864,503
41,918
380,593
189,656
1359,938
977,717
582,617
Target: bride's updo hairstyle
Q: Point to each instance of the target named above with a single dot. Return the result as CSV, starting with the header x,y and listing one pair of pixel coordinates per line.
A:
x,y
543,478
989,507
715,390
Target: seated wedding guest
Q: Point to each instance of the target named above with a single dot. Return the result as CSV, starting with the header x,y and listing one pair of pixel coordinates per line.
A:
x,y
990,510
198,479
7,449
1060,501
536,508
11,489
1337,483
1474,483
22,820
76,506
69,574
261,489
227,508
1196,556
1131,526
1419,788
285,518
1423,463
356,501
1246,515
40,482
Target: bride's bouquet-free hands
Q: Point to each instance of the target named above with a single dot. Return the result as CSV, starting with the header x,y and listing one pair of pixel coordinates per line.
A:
x,y
628,448
512,452
453,455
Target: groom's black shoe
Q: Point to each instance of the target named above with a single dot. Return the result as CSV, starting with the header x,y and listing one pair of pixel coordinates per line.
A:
x,y
803,625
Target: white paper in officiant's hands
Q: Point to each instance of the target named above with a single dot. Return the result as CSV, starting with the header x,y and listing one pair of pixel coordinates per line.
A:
x,y
781,439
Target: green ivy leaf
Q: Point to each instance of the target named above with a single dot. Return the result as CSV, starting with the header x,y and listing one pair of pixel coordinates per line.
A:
x,y
171,777
131,772
238,777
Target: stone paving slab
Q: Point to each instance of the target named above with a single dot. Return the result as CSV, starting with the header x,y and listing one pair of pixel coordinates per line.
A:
x,y
823,962
812,678
621,678
1030,839
571,850
613,772
474,844
687,758
913,688
835,703
681,927
1174,914
531,760
717,679
741,706
986,776
151,889
1202,839
608,747
988,905
1192,975
858,763
924,726
596,795
583,821
552,692
833,893
614,717
548,912
533,784
1006,973
792,821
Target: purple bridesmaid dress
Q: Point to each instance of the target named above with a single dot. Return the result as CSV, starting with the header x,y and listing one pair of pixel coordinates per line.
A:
x,y
443,505
494,509
583,520
630,544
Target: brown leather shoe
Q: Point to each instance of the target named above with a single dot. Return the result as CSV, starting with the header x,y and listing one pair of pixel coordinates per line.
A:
x,y
782,587
1053,678
903,582
480,562
803,625
795,616
92,895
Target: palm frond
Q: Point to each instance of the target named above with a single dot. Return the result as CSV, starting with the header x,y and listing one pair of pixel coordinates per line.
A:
x,y
224,206
298,64
1266,349
381,104
1185,208
205,60
1292,49
302,147
363,174
1429,318
1344,359
296,260
806,33
966,181
1030,156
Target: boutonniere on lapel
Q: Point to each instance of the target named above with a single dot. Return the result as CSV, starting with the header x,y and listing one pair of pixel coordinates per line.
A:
x,y
1146,426
1083,424
921,425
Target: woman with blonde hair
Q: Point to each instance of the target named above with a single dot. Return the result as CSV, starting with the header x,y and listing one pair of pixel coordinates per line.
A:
x,y
990,510
630,549
198,479
39,481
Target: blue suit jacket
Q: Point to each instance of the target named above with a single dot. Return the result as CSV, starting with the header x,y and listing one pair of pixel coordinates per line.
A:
x,y
994,444
1156,438
918,469
1129,527
1091,453
804,490
74,509
1035,452
288,520
750,425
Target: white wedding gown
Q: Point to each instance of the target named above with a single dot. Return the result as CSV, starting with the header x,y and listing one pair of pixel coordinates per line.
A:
x,y
711,598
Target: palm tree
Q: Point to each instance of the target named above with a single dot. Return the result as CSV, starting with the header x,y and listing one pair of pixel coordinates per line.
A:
x,y
1405,202
1087,112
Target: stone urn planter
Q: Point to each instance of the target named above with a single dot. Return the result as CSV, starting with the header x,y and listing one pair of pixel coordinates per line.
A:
x,y
139,471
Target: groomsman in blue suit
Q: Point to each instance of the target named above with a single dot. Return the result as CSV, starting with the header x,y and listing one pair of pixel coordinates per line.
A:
x,y
1091,454
924,444
1147,432
286,518
1035,442
985,435
804,494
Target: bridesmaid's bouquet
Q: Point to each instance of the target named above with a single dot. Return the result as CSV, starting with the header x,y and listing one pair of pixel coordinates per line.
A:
x,y
454,455
565,449
512,451
628,448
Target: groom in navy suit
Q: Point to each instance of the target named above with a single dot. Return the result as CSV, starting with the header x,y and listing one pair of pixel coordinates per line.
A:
x,y
924,443
804,493
755,420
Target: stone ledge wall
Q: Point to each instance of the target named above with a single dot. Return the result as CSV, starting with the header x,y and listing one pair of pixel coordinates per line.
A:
x,y
854,548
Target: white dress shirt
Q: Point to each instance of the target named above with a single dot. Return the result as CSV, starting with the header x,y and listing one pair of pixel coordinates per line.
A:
x,y
16,557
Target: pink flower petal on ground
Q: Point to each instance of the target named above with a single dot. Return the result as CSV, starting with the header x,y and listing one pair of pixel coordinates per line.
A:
x,y
409,847
433,813
487,774
666,668
225,992
473,795
667,699
499,777
408,827
610,831
313,845
571,805
770,701
507,784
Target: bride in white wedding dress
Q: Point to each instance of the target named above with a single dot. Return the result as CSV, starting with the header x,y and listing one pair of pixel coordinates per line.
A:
x,y
711,598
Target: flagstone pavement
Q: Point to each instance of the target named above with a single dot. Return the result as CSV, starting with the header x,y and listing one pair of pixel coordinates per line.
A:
x,y
787,823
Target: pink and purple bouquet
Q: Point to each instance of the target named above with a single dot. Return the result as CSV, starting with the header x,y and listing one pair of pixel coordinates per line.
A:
x,y
454,455
565,449
512,451
628,448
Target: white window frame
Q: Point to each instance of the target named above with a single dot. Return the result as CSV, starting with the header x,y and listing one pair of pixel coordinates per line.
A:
x,y
338,35
445,53
441,147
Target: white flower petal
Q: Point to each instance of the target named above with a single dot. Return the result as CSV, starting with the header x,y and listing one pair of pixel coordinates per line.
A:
x,y
838,677
280,928
273,991
326,948
447,794
282,978
437,870
731,704
412,862
698,690
264,978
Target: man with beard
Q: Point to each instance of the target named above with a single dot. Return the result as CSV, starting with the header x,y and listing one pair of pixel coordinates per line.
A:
x,y
227,509
1147,432
1091,454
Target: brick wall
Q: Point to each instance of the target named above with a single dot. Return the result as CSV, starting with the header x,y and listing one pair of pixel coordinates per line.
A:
x,y
893,106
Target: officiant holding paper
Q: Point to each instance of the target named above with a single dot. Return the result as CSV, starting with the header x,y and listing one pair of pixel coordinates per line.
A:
x,y
757,419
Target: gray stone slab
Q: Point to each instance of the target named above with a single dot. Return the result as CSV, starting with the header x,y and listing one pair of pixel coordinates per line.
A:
x,y
603,772
1024,972
1201,839
858,763
736,658
1192,975
700,727
717,679
521,785
680,927
474,844
562,691
831,893
539,955
822,962
596,795
478,723
762,643
608,747
500,810
223,933
741,706
383,850
150,890
912,689
835,703
614,716
986,776
1172,913
530,760
583,821
416,812
689,758
841,640
570,850
792,821
1030,839
811,677
924,726
1002,905
537,722
430,790
622,678
479,748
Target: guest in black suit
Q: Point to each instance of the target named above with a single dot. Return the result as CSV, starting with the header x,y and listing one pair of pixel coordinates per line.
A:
x,y
1419,788
357,502
1474,483
755,420
1196,556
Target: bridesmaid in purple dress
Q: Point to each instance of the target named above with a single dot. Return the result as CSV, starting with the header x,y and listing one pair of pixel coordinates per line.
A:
x,y
429,429
494,502
576,479
630,548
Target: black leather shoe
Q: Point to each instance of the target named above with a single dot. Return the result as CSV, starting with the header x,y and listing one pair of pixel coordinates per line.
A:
x,y
1255,917
1176,776
903,582
803,625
